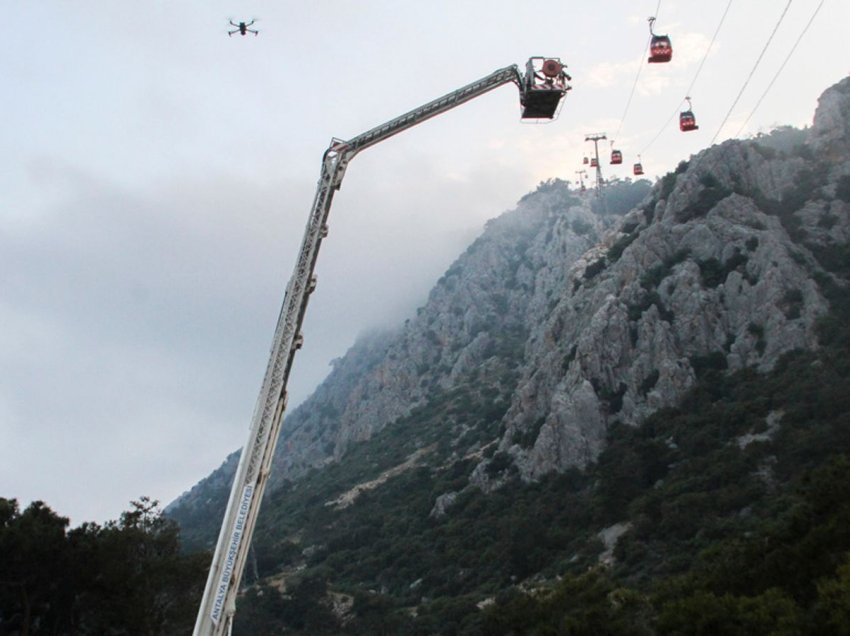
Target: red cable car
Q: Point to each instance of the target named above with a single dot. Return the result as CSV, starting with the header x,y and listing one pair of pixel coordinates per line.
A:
x,y
660,47
687,121
616,157
585,161
593,162
638,169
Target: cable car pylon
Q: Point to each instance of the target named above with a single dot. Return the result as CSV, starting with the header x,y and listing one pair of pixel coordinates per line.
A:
x,y
581,174
596,138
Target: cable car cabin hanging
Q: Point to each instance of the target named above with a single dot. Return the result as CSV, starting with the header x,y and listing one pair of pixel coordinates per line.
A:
x,y
660,47
660,50
687,121
638,169
544,85
586,161
616,157
593,162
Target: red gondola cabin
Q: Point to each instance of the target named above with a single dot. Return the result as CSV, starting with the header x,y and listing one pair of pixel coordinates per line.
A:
x,y
585,161
660,49
616,157
687,121
593,162
638,169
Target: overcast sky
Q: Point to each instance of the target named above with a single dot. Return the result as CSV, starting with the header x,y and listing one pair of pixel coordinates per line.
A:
x,y
156,177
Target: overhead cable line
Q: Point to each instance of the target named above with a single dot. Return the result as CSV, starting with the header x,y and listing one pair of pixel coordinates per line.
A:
x,y
787,57
708,50
752,72
634,86
693,81
637,77
710,165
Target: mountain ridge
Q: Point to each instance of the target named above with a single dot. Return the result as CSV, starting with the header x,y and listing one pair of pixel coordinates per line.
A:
x,y
573,322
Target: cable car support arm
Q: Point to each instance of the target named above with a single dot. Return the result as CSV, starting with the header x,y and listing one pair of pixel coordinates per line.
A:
x,y
218,605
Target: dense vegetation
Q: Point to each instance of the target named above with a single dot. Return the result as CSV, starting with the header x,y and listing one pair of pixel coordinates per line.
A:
x,y
126,577
620,196
734,508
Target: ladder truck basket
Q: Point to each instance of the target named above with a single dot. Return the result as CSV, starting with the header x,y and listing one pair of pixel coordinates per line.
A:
x,y
544,85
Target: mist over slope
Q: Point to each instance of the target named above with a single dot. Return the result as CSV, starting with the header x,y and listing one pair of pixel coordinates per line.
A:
x,y
472,331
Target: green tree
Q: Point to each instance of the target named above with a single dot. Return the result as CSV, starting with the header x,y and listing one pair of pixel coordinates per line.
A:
x,y
832,608
706,614
587,605
127,577
140,584
34,595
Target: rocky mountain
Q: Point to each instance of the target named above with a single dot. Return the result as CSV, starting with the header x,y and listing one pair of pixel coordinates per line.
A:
x,y
570,321
575,319
473,330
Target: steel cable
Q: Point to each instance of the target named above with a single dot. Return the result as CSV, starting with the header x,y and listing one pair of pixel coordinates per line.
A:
x,y
787,57
693,81
637,77
752,72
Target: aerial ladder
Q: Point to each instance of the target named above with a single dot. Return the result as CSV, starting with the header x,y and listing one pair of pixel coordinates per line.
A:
x,y
541,88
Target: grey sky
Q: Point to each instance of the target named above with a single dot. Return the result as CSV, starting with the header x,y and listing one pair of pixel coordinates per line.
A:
x,y
156,177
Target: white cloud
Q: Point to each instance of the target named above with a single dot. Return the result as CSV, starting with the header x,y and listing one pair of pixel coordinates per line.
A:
x,y
608,74
689,48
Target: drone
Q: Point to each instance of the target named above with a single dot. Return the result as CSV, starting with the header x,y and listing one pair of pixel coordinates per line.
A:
x,y
242,28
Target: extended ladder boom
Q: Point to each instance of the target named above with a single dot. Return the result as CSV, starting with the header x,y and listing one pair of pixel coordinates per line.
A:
x,y
218,605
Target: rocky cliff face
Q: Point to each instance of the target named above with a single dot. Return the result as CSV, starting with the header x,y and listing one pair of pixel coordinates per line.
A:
x,y
473,328
830,132
718,267
574,319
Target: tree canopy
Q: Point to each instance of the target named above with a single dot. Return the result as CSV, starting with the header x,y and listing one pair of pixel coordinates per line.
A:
x,y
125,577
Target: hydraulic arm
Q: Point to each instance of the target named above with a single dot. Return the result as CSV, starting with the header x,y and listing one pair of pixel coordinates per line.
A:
x,y
541,89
